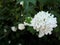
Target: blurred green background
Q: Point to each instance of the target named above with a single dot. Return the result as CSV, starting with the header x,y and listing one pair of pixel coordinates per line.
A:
x,y
10,15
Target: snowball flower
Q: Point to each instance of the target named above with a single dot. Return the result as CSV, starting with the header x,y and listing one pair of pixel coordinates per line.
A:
x,y
13,28
44,22
21,26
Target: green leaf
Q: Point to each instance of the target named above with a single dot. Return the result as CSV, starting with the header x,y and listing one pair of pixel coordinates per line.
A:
x,y
28,19
43,1
32,1
26,4
30,29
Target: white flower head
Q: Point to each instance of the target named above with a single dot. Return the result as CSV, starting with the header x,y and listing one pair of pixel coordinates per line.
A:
x,y
21,3
44,22
13,28
21,26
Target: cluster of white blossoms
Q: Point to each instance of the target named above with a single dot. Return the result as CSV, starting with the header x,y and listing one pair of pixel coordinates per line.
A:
x,y
44,22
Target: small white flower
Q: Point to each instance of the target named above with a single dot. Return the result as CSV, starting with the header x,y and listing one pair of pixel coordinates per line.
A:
x,y
21,3
21,26
44,22
19,44
9,41
13,28
21,14
5,30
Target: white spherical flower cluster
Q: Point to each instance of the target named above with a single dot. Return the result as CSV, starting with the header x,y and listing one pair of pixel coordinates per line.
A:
x,y
44,22
21,26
